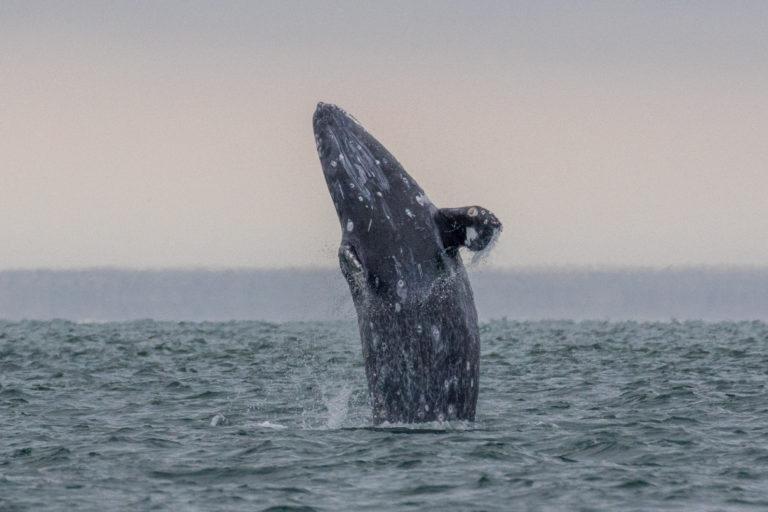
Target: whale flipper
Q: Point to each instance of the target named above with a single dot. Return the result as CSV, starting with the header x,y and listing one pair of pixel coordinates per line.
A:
x,y
473,227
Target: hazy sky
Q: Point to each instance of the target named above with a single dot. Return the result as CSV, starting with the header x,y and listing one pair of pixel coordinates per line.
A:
x,y
155,134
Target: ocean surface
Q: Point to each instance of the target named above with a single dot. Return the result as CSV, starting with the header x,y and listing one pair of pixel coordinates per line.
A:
x,y
258,416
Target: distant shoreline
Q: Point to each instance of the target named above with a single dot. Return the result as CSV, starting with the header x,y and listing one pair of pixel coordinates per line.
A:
x,y
288,294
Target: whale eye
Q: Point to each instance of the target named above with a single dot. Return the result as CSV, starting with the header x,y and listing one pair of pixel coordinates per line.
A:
x,y
472,212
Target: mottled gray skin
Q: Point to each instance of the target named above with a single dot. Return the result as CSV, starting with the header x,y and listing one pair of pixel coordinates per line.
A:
x,y
399,254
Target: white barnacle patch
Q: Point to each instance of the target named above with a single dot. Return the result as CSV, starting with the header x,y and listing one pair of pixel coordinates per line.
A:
x,y
398,307
333,163
470,237
409,213
378,194
377,162
451,410
360,198
467,365
350,225
422,199
435,333
401,291
352,259
472,211
419,329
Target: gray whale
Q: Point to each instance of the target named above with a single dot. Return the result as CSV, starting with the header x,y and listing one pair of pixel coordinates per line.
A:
x,y
399,254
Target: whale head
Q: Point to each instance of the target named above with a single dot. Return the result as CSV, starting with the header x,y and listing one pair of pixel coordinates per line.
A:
x,y
393,237
387,221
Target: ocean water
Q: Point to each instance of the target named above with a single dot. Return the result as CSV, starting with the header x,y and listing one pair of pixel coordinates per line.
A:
x,y
257,416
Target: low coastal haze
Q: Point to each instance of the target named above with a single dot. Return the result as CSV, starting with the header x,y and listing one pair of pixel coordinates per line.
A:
x,y
178,134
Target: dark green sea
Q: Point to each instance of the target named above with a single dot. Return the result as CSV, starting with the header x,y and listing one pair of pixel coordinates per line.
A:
x,y
257,416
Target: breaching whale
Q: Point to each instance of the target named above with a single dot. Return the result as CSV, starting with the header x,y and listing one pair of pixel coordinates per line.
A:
x,y
400,256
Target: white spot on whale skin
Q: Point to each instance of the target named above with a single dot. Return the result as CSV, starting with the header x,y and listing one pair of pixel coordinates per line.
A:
x,y
401,291
422,200
370,221
333,163
467,365
435,333
378,194
377,162
350,225
471,235
409,213
360,198
398,307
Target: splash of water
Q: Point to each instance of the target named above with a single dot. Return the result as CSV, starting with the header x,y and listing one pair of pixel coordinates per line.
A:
x,y
482,255
337,405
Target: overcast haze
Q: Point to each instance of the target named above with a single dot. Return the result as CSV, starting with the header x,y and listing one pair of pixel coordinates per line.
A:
x,y
179,134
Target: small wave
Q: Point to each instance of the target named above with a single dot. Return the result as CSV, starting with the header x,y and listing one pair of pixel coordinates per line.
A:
x,y
269,424
219,419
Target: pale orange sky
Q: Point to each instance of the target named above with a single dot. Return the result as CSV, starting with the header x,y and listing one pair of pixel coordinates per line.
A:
x,y
179,134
